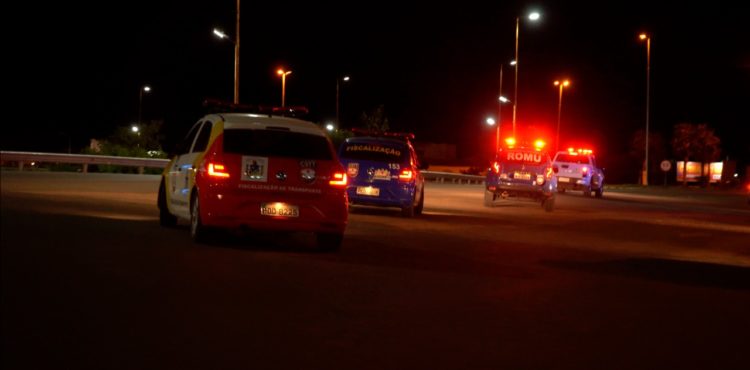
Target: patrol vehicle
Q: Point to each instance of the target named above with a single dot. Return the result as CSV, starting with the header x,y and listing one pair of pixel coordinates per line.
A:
x,y
256,171
383,170
577,170
521,172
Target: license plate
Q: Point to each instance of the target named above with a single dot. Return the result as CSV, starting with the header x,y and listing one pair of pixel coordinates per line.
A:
x,y
368,190
279,210
563,179
522,176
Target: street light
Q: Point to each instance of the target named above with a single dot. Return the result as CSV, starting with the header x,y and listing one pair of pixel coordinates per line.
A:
x,y
338,80
144,89
534,16
236,43
559,111
330,127
283,74
646,37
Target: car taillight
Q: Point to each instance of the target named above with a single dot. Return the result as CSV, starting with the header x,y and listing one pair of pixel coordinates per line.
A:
x,y
539,179
217,170
585,170
338,179
406,175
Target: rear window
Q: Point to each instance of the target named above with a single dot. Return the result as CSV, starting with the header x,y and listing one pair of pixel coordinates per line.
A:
x,y
580,159
374,152
271,143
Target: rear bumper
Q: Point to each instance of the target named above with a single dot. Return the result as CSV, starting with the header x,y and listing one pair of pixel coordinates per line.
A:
x,y
389,196
574,183
325,213
511,190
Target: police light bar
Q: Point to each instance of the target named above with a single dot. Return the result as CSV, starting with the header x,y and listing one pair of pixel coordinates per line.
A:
x,y
220,106
580,151
366,132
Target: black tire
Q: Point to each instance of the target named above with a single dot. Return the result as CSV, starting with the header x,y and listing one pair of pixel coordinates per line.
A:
x,y
329,242
408,211
166,219
420,206
599,192
489,198
549,204
587,191
198,231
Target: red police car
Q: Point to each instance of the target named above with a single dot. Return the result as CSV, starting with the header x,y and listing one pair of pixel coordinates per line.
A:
x,y
259,172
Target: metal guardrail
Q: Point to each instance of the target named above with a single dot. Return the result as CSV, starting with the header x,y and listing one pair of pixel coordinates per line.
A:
x,y
23,158
455,178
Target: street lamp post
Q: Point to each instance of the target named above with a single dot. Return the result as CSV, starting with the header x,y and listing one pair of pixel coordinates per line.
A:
x,y
532,17
562,84
236,43
646,37
338,80
146,89
283,74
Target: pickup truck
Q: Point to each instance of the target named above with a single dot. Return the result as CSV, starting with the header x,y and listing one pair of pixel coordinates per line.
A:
x,y
577,170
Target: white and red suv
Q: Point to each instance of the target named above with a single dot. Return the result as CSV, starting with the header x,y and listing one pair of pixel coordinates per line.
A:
x,y
577,170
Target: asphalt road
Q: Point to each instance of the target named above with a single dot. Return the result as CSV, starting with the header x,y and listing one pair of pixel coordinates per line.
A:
x,y
90,281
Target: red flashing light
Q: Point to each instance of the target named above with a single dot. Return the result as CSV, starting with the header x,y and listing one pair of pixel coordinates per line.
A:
x,y
573,151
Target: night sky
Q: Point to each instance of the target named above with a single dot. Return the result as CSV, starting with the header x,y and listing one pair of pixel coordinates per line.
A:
x,y
76,70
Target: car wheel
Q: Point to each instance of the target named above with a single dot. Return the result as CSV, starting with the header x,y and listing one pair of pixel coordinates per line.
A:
x,y
420,205
489,198
329,242
198,231
408,211
165,218
549,204
599,192
587,191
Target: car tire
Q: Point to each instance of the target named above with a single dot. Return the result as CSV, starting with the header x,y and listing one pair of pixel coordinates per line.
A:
x,y
599,192
549,204
420,206
587,191
489,198
408,211
198,231
329,242
166,219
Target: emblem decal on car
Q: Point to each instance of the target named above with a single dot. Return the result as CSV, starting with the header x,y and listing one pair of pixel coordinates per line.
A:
x,y
281,175
352,169
307,174
254,168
